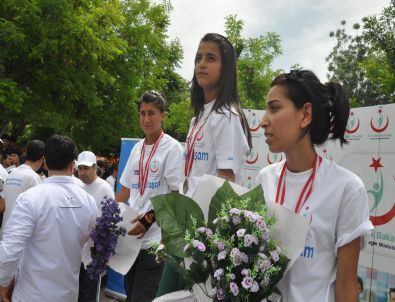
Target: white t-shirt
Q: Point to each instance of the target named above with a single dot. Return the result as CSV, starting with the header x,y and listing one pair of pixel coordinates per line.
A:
x,y
3,177
339,213
99,189
18,181
43,240
165,175
111,181
220,144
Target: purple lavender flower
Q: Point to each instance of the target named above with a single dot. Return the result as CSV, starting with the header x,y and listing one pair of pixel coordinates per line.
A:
x,y
244,257
220,294
261,224
199,245
245,272
254,287
234,211
209,233
220,245
236,256
247,282
236,220
234,288
218,273
265,235
250,239
105,236
241,232
275,256
222,255
213,291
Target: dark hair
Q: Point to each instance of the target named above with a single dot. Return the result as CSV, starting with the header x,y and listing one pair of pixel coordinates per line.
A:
x,y
60,151
329,102
155,97
34,150
227,94
360,283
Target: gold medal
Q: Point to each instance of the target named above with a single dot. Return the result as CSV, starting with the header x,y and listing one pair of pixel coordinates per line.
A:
x,y
185,186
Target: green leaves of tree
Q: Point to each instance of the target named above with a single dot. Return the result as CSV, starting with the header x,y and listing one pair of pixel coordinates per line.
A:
x,y
365,61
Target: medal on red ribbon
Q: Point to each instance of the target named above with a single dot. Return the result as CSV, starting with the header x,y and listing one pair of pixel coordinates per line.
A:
x,y
144,169
191,140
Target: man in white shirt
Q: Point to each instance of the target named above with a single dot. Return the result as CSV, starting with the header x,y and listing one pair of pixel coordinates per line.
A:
x,y
22,178
42,243
99,189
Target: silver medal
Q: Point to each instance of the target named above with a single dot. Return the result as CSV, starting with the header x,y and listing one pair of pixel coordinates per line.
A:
x,y
140,202
185,186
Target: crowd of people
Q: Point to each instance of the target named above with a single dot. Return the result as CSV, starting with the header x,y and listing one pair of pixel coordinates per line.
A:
x,y
50,222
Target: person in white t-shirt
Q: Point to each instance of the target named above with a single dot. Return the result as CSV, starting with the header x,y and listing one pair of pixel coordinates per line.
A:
x,y
154,167
43,240
22,178
112,179
219,139
99,189
301,113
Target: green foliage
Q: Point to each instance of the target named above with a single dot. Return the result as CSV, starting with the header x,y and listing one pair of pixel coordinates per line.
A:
x,y
78,68
254,59
254,197
175,213
365,62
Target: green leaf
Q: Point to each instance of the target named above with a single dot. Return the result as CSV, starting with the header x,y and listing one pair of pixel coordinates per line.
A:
x,y
173,214
256,198
224,193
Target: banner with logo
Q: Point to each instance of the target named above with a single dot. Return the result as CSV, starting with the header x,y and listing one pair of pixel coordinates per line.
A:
x,y
370,154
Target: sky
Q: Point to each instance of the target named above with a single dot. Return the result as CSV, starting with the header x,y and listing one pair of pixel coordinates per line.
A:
x,y
303,26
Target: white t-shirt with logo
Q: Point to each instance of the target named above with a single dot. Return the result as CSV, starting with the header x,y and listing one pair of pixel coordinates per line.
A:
x,y
18,181
99,189
165,175
220,144
339,213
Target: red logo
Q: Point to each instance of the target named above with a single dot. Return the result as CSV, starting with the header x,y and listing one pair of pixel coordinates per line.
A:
x,y
252,158
351,128
274,158
377,126
154,167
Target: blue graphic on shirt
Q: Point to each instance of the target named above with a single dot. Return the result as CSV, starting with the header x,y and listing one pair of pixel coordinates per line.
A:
x,y
308,252
201,156
148,185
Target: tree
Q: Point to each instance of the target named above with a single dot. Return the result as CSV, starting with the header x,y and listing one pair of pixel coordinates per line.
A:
x,y
79,67
365,62
254,59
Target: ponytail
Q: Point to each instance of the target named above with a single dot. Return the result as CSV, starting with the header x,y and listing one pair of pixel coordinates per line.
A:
x,y
339,110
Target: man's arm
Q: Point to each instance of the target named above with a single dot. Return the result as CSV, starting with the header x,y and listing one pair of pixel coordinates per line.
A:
x,y
19,229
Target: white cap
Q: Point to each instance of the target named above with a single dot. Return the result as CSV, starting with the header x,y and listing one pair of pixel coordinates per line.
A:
x,y
86,158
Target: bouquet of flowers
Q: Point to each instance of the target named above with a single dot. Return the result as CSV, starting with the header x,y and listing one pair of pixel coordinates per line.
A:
x,y
237,252
104,236
234,250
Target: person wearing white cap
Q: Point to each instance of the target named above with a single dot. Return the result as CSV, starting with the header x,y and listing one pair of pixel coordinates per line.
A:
x,y
99,189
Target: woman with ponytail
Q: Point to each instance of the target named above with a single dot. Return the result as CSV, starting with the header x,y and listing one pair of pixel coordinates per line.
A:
x,y
301,113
